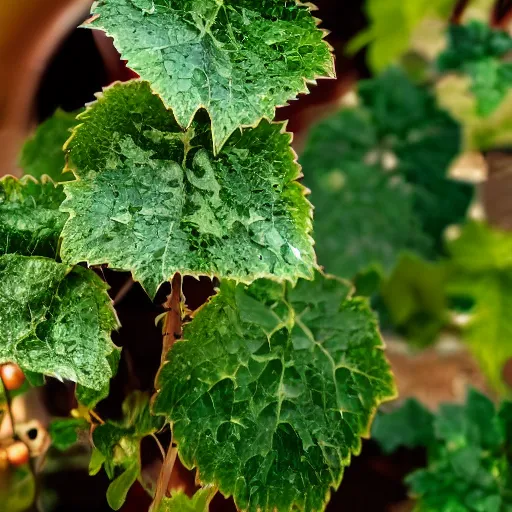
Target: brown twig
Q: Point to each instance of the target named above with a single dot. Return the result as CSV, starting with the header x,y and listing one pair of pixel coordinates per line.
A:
x,y
173,318
164,477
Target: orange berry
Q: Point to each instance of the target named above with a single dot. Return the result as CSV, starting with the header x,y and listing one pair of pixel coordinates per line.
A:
x,y
12,376
17,454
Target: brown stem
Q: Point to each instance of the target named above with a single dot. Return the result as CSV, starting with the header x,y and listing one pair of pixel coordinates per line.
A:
x,y
458,11
173,318
164,477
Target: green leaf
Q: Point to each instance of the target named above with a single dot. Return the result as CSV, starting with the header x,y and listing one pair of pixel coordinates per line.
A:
x,y
30,220
482,261
55,320
469,462
272,388
18,489
392,24
476,49
117,446
64,432
378,176
411,426
180,502
153,199
414,296
91,397
237,59
43,153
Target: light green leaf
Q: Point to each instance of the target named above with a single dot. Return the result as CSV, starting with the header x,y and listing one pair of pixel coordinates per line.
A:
x,y
411,425
378,176
482,260
30,220
18,489
117,446
154,200
64,432
118,489
392,24
271,407
55,320
414,296
238,59
180,502
43,153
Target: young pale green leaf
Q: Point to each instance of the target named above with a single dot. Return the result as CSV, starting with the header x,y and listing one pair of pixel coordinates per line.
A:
x,y
117,446
272,388
392,25
64,432
378,175
477,50
469,462
30,220
482,261
414,297
153,199
43,153
55,320
411,425
180,502
238,59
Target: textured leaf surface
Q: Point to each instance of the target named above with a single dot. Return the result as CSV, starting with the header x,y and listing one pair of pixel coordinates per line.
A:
x,y
392,24
43,153
55,321
476,49
378,175
117,446
482,260
272,389
30,220
154,200
180,502
469,463
239,59
411,425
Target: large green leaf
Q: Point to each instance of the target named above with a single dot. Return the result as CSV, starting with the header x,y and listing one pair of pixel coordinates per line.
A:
x,y
477,50
117,446
469,462
378,175
30,220
482,261
43,153
239,59
272,388
153,199
55,320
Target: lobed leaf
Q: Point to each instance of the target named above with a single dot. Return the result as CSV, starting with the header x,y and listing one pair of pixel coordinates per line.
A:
x,y
271,389
30,220
379,177
180,502
55,320
238,59
153,199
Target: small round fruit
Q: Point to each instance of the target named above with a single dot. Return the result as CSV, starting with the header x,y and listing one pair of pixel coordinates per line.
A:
x,y
17,454
12,376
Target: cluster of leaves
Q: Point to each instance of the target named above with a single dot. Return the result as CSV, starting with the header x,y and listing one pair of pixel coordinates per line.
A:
x,y
477,50
384,164
468,448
